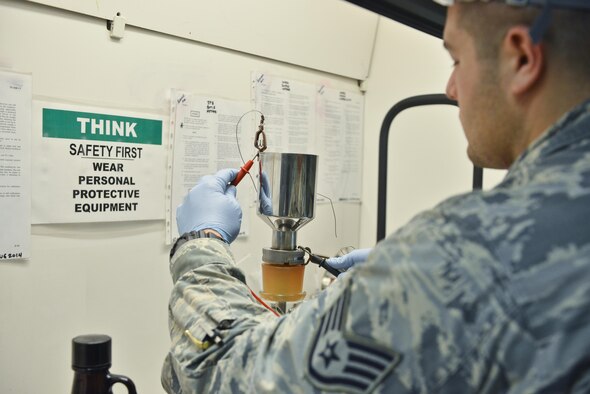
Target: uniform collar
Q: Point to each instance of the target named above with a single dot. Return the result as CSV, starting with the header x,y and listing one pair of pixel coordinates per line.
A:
x,y
572,127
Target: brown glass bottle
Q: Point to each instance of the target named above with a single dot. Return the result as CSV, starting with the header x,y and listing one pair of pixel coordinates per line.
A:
x,y
91,360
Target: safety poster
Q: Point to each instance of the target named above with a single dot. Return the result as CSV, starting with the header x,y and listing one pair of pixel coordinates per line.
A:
x,y
93,164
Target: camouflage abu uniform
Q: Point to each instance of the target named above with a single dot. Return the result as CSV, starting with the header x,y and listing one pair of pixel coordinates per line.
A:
x,y
488,292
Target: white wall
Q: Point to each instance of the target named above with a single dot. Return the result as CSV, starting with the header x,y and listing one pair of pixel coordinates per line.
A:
x,y
328,35
113,278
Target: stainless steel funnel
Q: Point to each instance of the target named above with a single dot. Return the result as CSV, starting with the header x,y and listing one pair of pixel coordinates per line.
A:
x,y
286,201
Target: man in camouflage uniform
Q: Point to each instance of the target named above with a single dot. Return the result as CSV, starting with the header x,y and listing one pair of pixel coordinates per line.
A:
x,y
487,292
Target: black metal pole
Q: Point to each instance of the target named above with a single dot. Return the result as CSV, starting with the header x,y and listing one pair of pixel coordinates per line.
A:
x,y
477,178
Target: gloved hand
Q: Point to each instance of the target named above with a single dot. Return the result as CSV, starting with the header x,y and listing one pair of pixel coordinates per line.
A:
x,y
211,204
265,201
349,260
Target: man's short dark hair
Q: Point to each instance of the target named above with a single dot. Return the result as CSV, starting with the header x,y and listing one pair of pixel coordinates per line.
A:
x,y
567,39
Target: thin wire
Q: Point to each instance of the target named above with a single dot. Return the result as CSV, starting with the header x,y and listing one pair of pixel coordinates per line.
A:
x,y
333,213
263,303
253,183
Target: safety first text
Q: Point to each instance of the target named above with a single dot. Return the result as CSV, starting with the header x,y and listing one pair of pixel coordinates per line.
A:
x,y
105,151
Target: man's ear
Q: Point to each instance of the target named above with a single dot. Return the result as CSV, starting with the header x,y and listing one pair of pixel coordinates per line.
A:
x,y
524,61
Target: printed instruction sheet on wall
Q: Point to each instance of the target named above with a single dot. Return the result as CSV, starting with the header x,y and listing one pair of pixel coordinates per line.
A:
x,y
206,135
95,164
15,165
307,118
289,110
340,124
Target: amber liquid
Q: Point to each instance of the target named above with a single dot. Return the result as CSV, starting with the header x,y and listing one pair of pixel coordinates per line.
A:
x,y
281,282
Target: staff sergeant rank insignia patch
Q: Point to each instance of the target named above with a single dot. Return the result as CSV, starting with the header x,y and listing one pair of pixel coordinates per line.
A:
x,y
338,362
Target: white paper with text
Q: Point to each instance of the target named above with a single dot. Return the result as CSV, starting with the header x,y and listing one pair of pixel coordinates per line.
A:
x,y
206,136
15,165
96,164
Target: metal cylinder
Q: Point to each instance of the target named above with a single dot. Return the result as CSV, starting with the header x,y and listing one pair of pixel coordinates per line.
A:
x,y
287,189
284,240
289,257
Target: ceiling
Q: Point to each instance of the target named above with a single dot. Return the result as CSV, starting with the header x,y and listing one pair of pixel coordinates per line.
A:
x,y
424,15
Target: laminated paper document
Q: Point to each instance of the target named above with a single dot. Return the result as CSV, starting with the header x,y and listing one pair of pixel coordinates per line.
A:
x,y
96,164
15,165
315,119
207,135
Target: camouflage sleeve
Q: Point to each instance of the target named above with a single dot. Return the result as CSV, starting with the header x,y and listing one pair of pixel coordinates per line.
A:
x,y
209,301
259,352
418,316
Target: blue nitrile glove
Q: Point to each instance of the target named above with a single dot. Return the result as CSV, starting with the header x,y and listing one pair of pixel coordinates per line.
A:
x,y
212,204
349,260
265,200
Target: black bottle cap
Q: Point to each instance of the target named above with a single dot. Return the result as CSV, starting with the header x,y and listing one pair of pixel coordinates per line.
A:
x,y
91,351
